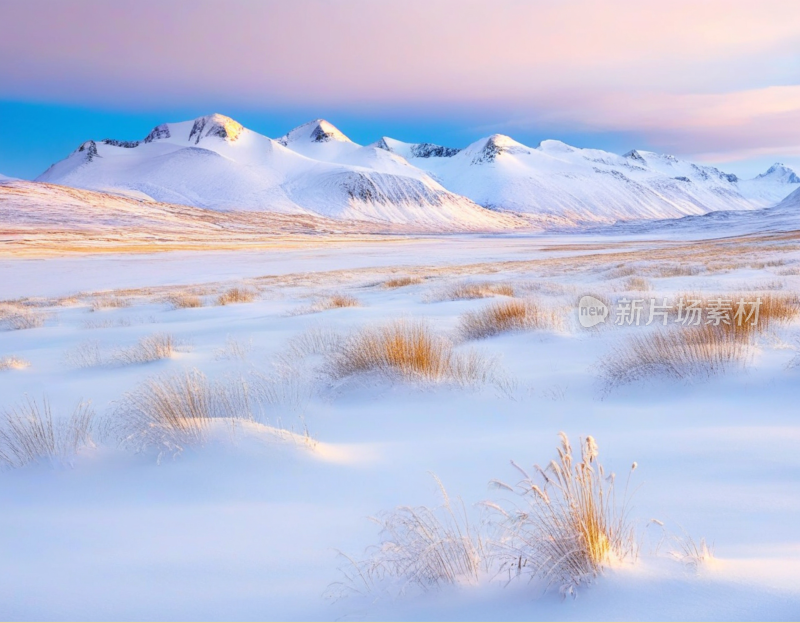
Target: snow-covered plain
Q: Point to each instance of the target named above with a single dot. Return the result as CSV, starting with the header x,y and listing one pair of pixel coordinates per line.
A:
x,y
249,527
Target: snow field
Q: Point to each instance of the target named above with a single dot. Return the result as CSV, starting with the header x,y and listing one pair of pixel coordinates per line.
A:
x,y
242,515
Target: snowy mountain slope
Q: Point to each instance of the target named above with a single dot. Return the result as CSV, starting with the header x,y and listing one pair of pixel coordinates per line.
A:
x,y
586,185
213,162
41,218
415,150
784,217
791,203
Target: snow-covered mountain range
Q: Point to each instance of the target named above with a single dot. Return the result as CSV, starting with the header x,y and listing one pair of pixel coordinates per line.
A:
x,y
214,162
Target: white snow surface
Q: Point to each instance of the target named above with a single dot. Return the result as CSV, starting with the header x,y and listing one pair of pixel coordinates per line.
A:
x,y
213,162
247,528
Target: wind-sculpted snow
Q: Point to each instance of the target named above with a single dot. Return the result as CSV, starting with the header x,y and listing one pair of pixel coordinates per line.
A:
x,y
214,162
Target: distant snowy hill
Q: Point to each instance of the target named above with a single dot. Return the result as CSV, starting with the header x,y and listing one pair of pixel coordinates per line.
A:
x,y
791,203
589,185
214,162
782,217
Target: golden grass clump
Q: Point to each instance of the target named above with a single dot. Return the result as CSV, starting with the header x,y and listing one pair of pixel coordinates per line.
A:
x,y
505,316
409,349
400,282
29,433
334,301
341,300
680,352
479,290
772,308
184,301
570,525
12,362
780,308
236,295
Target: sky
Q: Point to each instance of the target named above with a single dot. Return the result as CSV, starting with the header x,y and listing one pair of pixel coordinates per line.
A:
x,y
716,82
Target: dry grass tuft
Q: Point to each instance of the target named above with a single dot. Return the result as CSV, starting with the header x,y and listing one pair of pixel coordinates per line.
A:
x,y
624,270
334,301
777,308
236,295
12,362
166,414
637,284
680,352
184,301
400,282
479,290
234,349
508,316
150,348
773,307
411,350
571,525
18,317
28,433
110,302
693,553
315,341
87,354
675,270
341,300
422,548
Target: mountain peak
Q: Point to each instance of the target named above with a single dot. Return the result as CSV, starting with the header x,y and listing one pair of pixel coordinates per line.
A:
x,y
488,149
779,172
89,150
215,125
633,154
158,132
317,131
